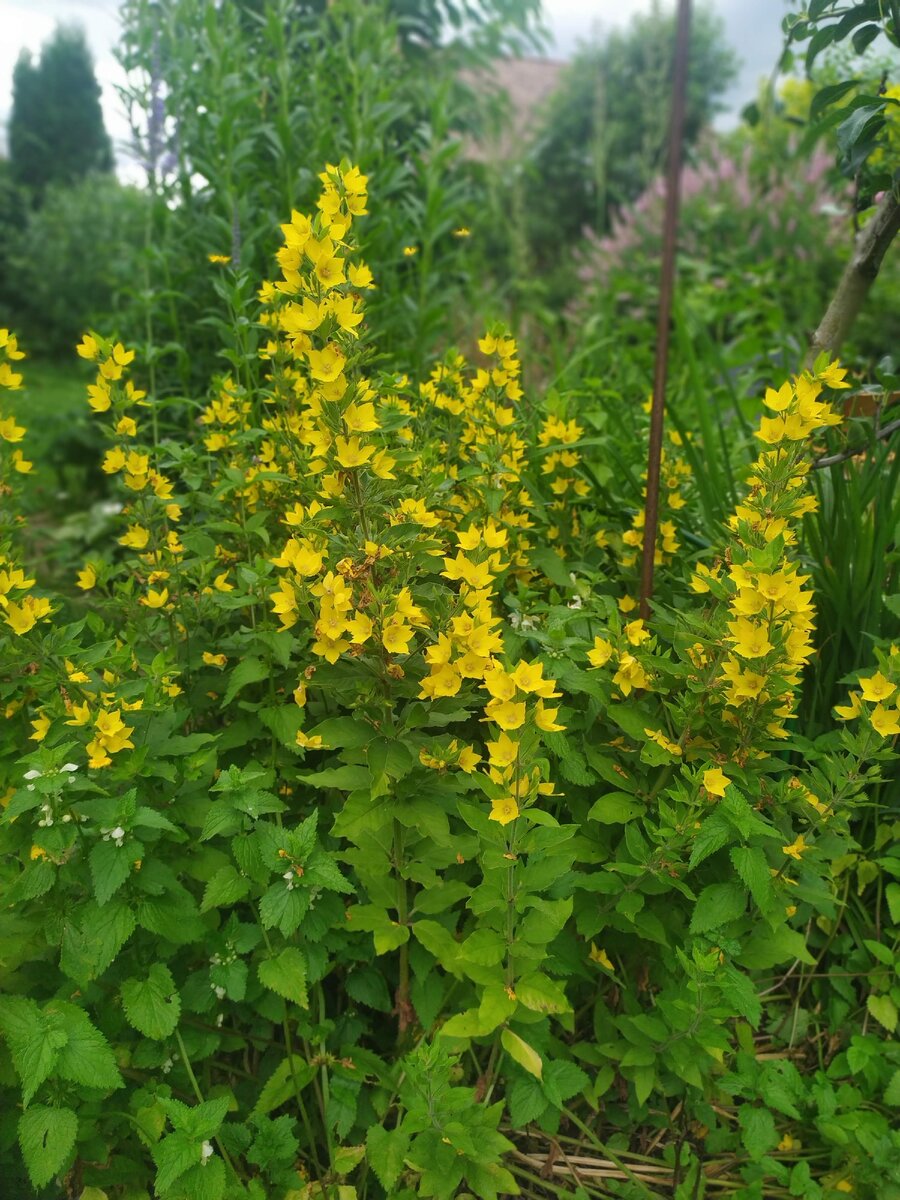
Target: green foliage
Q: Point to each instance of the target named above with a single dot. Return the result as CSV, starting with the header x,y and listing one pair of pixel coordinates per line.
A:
x,y
56,130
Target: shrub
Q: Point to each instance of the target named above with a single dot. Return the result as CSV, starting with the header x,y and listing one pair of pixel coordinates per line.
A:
x,y
358,809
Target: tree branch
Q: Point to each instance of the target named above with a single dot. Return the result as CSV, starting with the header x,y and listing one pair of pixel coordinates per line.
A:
x,y
859,275
832,460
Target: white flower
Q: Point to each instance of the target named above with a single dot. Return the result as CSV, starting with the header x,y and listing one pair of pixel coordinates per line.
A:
x,y
32,774
69,767
206,1153
117,835
166,1067
47,819
220,992
289,877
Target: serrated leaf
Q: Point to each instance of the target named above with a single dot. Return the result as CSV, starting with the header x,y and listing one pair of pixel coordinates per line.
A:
x,y
249,670
90,944
87,1057
562,1080
892,895
518,1050
752,866
892,1091
152,1005
285,974
175,1154
718,904
386,1150
884,1010
110,867
758,1131
46,1138
226,887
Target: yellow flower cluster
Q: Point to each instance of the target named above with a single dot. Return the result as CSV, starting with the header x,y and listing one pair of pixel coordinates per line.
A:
x,y
770,612
630,674
559,465
878,698
20,610
152,512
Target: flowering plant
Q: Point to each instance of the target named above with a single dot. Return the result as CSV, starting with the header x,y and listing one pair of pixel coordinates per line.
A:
x,y
354,824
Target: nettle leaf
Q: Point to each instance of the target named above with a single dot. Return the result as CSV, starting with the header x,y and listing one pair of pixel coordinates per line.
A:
x,y
526,1101
34,1042
752,866
92,941
275,1141
86,1058
283,907
285,974
386,1150
280,1085
562,1080
884,1010
110,866
174,1155
758,1131
718,904
152,1005
46,1138
36,880
226,887
715,832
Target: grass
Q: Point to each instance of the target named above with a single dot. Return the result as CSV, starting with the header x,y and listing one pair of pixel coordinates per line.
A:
x,y
60,440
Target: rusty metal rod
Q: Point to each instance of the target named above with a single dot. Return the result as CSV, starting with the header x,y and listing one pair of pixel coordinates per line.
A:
x,y
666,289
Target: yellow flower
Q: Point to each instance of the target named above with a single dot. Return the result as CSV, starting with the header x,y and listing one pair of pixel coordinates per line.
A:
x,y
462,232
88,348
9,430
87,577
350,452
136,537
636,633
796,848
305,742
41,727
885,721
601,958
545,718
22,617
508,714
750,640
630,675
409,251
325,365
715,781
505,810
214,660
468,760
395,638
876,688
219,259
601,653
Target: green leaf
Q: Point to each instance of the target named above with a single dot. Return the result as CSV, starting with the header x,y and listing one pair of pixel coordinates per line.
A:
x,y
46,1137
248,670
892,1091
562,1080
718,904
758,1131
345,733
279,1087
884,1010
541,994
86,1058
285,974
174,1155
226,887
110,867
769,947
549,562
34,1042
615,808
152,1005
526,1056
385,1153
92,941
752,866
892,895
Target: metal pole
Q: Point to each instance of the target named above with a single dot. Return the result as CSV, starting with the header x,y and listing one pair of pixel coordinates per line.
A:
x,y
666,288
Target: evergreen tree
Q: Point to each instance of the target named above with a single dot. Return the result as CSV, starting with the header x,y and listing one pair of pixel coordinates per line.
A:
x,y
56,130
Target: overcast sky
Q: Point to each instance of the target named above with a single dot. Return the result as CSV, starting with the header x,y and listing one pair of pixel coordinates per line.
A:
x,y
753,27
